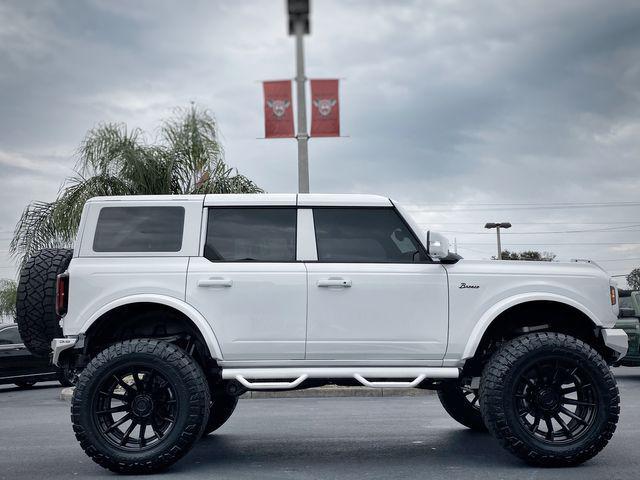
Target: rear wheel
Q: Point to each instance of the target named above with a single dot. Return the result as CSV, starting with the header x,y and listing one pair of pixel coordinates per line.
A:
x,y
462,403
550,399
222,406
139,406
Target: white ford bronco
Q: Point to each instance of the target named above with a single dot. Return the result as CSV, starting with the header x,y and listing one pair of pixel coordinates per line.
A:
x,y
170,307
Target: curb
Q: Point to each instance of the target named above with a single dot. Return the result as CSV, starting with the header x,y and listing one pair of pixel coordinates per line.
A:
x,y
319,392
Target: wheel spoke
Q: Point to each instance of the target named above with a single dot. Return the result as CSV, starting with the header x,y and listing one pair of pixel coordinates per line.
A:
x,y
126,435
571,401
156,430
536,422
563,425
124,384
547,420
475,400
148,380
138,382
143,429
116,424
573,415
117,396
119,408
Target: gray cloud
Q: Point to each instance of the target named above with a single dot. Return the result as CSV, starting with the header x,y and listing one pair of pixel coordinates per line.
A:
x,y
443,102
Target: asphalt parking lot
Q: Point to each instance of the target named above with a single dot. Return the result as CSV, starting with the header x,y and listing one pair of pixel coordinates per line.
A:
x,y
312,438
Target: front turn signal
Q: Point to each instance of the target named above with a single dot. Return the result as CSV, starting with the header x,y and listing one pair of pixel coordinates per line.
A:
x,y
612,293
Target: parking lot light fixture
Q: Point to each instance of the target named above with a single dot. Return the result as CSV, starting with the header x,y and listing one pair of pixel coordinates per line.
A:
x,y
498,226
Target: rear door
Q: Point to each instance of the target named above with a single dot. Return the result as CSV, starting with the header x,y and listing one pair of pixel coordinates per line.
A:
x,y
248,283
373,292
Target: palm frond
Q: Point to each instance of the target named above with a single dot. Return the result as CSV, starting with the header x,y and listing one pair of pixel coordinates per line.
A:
x,y
113,160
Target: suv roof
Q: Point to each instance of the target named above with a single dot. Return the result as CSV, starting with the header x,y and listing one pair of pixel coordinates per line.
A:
x,y
303,199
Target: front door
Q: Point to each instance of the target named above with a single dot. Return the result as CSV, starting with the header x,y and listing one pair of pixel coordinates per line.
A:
x,y
248,284
373,293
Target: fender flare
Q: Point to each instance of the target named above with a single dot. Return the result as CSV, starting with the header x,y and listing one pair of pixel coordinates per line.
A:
x,y
503,305
191,313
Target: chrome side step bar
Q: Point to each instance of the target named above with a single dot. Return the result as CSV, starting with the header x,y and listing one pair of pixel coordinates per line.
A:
x,y
248,376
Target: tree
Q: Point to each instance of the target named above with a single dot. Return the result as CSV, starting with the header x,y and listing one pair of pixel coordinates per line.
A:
x,y
8,290
113,160
531,255
633,279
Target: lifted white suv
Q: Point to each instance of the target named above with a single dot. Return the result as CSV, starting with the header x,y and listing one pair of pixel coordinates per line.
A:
x,y
173,306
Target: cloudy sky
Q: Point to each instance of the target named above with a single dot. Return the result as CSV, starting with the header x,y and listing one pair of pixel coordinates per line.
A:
x,y
474,111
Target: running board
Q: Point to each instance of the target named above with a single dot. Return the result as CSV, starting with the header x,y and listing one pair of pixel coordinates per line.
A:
x,y
248,376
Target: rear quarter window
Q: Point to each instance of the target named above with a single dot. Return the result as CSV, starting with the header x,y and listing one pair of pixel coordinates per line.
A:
x,y
139,229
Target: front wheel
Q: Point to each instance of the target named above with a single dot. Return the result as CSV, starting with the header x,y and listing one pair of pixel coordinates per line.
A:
x,y
139,406
550,399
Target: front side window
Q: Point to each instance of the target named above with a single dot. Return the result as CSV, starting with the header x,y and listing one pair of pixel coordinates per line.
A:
x,y
251,235
376,235
139,229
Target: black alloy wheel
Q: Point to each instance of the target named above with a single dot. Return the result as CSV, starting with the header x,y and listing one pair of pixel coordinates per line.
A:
x,y
135,408
556,400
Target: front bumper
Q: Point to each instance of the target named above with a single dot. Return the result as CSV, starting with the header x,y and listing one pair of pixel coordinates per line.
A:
x,y
59,345
617,340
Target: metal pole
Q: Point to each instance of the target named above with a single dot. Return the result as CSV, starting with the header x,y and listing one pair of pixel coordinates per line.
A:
x,y
303,136
499,246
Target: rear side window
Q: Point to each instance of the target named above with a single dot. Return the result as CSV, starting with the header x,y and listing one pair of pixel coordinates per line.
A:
x,y
376,235
251,235
139,229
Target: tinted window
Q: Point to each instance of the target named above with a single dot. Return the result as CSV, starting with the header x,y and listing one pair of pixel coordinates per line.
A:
x,y
139,229
10,336
251,235
363,235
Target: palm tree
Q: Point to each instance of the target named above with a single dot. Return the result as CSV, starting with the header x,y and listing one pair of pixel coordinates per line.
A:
x,y
8,295
113,160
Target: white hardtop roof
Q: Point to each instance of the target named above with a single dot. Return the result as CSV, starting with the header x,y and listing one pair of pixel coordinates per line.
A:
x,y
263,199
301,199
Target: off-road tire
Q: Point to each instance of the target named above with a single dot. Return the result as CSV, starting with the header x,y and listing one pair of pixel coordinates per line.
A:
x,y
38,322
455,402
192,405
498,401
222,407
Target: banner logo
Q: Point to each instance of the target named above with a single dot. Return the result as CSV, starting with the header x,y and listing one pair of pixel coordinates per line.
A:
x,y
278,107
325,106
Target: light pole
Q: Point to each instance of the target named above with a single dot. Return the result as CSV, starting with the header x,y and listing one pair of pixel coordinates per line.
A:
x,y
498,226
299,26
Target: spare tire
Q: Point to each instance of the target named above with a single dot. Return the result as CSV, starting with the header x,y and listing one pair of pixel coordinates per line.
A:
x,y
38,322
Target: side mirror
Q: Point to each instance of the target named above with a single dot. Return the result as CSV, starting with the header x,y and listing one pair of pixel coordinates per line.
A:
x,y
437,245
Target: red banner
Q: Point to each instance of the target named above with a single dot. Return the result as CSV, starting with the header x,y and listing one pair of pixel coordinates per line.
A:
x,y
325,108
278,111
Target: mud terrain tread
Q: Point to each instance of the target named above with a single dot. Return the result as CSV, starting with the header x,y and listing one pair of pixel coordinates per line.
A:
x,y
492,404
198,405
36,316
